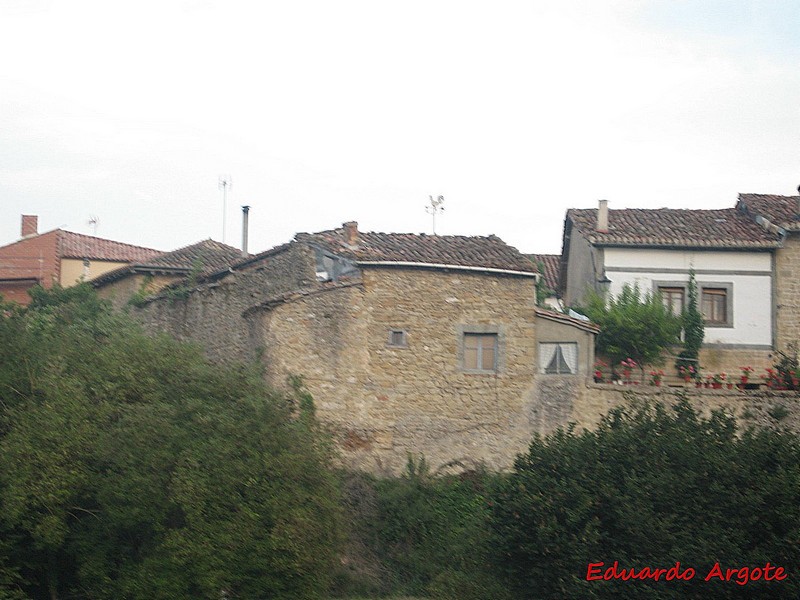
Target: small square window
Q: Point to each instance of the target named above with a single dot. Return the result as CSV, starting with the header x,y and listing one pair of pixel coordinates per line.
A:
x,y
397,338
480,351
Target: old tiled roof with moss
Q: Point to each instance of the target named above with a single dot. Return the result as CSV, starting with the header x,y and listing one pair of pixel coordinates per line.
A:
x,y
205,257
479,252
726,228
782,211
552,267
77,245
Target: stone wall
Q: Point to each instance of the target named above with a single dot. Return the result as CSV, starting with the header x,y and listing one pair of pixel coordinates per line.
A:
x,y
750,407
120,292
212,314
385,401
787,277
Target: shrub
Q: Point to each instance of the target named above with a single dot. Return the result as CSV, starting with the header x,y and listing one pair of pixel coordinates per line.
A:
x,y
650,487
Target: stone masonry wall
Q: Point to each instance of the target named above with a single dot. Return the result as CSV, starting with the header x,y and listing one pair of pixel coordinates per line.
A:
x,y
750,407
787,267
384,402
212,314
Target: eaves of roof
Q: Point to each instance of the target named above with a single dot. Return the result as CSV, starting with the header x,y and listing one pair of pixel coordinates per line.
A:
x,y
567,320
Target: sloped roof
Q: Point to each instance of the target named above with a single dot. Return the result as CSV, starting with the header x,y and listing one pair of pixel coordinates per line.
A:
x,y
780,210
674,228
78,245
552,268
208,256
563,318
420,249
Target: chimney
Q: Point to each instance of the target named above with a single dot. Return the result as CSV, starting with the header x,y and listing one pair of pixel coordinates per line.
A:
x,y
245,227
602,216
30,225
351,233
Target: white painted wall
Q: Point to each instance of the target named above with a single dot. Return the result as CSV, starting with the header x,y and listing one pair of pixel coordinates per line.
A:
x,y
748,272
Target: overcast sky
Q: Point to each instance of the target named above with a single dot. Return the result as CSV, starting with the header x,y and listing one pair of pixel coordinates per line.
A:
x,y
329,111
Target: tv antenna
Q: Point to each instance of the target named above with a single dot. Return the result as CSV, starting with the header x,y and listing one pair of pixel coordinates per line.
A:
x,y
93,222
434,208
225,183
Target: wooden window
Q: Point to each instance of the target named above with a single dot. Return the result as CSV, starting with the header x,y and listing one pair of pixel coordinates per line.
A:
x,y
715,305
480,351
673,299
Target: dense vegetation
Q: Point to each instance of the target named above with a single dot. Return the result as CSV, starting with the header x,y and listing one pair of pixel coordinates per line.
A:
x,y
649,488
632,325
131,468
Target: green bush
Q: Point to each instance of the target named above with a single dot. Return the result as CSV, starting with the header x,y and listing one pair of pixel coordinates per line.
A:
x,y
632,325
424,535
130,467
651,487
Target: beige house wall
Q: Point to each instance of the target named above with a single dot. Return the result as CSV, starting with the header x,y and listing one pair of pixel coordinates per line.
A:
x,y
73,271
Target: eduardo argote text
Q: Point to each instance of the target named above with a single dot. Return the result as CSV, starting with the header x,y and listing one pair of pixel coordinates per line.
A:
x,y
740,575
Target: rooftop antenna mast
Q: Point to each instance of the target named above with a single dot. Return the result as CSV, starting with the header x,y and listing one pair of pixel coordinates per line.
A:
x,y
225,183
435,208
93,222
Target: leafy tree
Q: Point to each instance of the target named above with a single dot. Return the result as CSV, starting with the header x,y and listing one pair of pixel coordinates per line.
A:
x,y
632,325
693,328
650,487
130,467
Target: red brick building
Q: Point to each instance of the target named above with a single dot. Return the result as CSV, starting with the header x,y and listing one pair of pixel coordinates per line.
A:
x,y
61,257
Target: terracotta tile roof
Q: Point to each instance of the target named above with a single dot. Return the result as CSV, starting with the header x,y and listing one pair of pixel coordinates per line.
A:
x,y
780,210
77,245
208,255
211,256
674,228
473,252
552,268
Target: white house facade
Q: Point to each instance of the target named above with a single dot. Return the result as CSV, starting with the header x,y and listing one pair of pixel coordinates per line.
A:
x,y
733,258
734,288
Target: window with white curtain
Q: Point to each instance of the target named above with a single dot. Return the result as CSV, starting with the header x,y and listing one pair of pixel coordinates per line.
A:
x,y
558,358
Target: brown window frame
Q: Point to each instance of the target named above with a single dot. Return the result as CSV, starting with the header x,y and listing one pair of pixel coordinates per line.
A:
x,y
472,345
717,302
668,293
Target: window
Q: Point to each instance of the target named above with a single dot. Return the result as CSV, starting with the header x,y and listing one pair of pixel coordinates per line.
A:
x,y
480,351
559,358
397,338
715,305
673,298
714,298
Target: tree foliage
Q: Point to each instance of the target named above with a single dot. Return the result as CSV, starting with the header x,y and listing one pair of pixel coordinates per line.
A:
x,y
632,325
693,328
652,486
130,467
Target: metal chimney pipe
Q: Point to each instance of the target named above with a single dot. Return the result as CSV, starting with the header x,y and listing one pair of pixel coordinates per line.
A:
x,y
245,227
